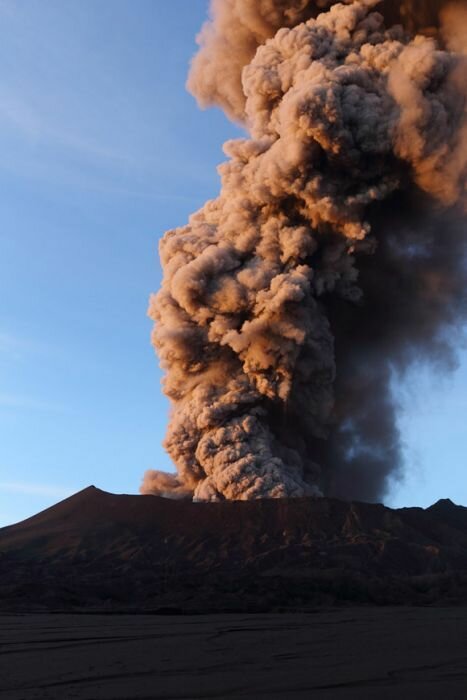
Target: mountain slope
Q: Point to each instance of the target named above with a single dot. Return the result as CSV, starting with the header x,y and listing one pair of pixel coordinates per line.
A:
x,y
101,551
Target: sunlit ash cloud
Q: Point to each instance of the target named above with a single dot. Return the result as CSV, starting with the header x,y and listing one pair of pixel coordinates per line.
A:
x,y
334,255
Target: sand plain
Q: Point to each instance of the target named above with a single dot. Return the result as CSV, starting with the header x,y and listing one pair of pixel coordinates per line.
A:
x,y
347,653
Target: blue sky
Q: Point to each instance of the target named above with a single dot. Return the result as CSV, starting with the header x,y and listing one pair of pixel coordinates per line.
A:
x,y
101,151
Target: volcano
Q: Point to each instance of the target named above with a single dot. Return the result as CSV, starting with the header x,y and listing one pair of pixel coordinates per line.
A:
x,y
104,552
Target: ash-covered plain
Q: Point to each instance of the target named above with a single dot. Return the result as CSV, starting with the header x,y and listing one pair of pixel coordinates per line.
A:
x,y
345,654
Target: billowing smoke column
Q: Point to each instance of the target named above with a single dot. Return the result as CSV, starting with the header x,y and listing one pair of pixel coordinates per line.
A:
x,y
332,260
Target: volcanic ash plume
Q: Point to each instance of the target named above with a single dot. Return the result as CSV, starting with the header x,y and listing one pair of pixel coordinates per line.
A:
x,y
334,256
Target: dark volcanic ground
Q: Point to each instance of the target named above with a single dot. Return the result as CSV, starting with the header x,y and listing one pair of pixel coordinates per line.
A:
x,y
349,654
101,552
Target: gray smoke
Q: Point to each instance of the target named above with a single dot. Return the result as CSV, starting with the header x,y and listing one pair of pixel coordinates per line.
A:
x,y
236,28
334,256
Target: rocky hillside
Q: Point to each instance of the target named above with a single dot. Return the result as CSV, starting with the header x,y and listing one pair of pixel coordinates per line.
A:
x,y
101,551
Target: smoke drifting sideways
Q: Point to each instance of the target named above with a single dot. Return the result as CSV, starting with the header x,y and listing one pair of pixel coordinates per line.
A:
x,y
334,257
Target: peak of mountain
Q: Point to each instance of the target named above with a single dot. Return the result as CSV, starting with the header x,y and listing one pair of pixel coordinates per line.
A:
x,y
445,505
450,513
105,551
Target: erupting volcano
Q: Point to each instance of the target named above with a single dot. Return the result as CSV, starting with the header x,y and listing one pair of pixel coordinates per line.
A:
x,y
334,255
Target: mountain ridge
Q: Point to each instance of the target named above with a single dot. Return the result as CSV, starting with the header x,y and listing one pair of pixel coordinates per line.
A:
x,y
101,551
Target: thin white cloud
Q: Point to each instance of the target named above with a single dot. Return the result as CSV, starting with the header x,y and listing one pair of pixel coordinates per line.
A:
x,y
16,113
8,8
58,172
90,156
14,346
27,403
28,489
35,124
10,345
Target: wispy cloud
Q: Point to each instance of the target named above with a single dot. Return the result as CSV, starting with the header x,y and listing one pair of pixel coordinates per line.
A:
x,y
8,8
16,113
37,144
11,345
33,121
13,350
16,347
28,489
27,403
